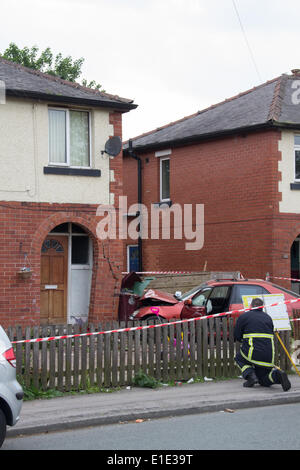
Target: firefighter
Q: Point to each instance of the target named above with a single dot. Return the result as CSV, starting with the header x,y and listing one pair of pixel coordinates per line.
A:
x,y
255,330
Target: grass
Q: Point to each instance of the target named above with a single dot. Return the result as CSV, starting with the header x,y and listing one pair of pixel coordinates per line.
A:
x,y
140,380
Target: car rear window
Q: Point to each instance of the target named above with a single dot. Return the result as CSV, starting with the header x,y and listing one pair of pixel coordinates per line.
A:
x,y
246,289
286,290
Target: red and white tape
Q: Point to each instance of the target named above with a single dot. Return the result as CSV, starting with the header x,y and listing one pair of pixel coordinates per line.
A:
x,y
161,272
284,278
136,328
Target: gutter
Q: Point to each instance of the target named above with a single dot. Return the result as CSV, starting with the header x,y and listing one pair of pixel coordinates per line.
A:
x,y
132,154
123,107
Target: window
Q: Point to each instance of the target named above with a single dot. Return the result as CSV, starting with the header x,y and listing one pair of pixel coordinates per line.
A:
x,y
243,289
164,179
80,250
201,299
297,156
220,299
69,137
132,258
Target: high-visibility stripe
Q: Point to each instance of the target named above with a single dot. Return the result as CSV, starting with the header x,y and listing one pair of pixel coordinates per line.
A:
x,y
258,335
250,337
245,367
259,363
250,349
270,376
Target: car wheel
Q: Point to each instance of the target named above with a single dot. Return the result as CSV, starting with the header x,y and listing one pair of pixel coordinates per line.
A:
x,y
2,427
154,318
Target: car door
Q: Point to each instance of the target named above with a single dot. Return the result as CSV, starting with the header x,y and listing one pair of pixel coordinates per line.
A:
x,y
208,301
196,306
236,301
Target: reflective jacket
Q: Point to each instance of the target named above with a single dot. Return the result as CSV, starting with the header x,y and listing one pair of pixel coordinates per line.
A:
x,y
255,330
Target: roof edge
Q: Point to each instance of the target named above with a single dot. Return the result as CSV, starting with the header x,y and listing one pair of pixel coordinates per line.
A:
x,y
198,138
122,106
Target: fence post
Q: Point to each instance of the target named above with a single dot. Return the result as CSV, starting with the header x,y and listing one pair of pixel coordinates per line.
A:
x,y
199,348
115,359
192,349
225,332
122,355
99,347
178,352
52,360
107,357
165,353
205,347
44,359
218,348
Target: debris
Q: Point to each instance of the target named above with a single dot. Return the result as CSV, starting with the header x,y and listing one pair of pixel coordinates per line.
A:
x,y
128,388
228,410
190,381
207,379
139,420
178,383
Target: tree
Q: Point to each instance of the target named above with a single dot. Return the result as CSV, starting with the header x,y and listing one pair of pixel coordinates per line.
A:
x,y
63,67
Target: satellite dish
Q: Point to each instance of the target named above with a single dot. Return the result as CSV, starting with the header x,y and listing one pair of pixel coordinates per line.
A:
x,y
113,146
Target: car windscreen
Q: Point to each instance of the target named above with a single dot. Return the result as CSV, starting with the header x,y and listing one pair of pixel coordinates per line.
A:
x,y
187,294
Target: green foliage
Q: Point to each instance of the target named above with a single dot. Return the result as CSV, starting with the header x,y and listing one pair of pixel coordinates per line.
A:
x,y
63,67
143,380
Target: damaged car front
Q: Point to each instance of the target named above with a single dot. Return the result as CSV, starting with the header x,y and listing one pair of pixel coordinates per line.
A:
x,y
159,305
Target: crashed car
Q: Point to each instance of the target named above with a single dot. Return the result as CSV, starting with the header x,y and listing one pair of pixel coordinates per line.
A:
x,y
212,297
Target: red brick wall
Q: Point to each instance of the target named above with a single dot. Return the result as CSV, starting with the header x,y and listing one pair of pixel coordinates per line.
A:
x,y
236,178
24,226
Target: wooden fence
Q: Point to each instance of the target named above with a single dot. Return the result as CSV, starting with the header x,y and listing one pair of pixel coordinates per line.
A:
x,y
171,353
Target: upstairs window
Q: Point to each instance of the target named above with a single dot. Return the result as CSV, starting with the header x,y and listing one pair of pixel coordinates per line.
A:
x,y
164,179
297,156
69,138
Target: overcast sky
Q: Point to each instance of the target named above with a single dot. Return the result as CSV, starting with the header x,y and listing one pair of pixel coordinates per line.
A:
x,y
173,57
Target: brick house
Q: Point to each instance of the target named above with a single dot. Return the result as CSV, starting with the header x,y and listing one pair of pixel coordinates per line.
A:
x,y
241,159
54,176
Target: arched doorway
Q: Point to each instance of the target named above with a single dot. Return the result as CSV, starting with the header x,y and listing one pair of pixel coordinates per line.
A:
x,y
295,264
66,275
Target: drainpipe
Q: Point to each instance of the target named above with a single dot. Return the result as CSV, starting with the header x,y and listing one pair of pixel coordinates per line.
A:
x,y
139,168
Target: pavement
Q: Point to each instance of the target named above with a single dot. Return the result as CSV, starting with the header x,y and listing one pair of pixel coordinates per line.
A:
x,y
83,410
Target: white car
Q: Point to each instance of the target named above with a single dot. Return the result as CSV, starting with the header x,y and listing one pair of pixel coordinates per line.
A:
x,y
11,392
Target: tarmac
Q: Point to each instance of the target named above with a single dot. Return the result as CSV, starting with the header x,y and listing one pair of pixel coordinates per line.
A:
x,y
134,403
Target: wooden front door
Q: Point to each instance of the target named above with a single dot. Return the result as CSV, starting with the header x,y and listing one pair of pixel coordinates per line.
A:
x,y
54,277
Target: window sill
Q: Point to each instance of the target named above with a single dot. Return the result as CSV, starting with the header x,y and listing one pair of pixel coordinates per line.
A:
x,y
161,203
55,170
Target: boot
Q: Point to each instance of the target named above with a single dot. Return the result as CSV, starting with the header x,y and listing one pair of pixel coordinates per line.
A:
x,y
251,379
284,381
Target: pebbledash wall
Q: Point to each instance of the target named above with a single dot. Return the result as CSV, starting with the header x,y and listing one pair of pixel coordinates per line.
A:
x,y
251,215
32,204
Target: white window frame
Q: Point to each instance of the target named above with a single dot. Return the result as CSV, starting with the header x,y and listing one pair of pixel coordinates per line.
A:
x,y
160,185
296,147
67,163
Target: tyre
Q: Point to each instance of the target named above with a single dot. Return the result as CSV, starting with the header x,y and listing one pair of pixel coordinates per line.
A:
x,y
155,318
2,427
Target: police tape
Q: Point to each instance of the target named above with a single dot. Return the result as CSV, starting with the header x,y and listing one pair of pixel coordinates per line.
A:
x,y
137,328
284,278
162,272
